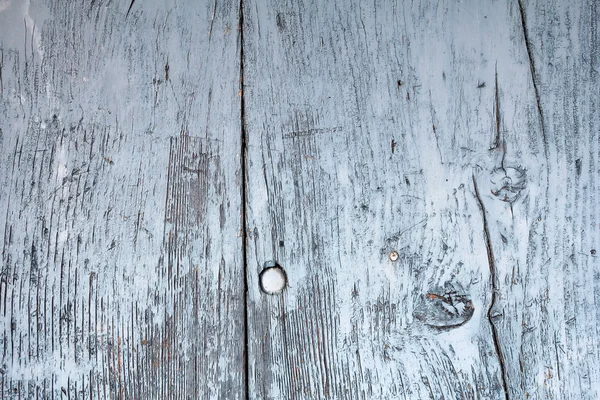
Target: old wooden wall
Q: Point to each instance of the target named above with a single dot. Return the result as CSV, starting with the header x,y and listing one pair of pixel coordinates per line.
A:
x,y
424,172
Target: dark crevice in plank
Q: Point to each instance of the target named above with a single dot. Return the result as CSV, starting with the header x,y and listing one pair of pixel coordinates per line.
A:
x,y
244,172
1,67
129,9
500,143
493,277
212,20
533,75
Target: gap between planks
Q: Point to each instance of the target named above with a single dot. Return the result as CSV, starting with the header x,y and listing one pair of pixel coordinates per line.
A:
x,y
244,198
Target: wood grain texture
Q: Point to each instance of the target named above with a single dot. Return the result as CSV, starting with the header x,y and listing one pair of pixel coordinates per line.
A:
x,y
120,200
425,173
546,246
376,139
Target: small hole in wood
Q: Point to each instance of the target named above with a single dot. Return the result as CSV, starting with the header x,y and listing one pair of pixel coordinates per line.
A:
x,y
273,278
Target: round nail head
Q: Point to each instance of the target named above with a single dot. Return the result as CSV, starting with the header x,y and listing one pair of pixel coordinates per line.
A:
x,y
272,280
393,255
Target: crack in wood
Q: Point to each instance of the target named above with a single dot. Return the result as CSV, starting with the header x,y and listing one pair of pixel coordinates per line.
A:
x,y
129,9
212,20
1,67
493,277
533,76
244,196
499,142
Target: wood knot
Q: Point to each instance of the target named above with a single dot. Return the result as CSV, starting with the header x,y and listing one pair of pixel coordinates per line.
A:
x,y
280,21
508,183
444,308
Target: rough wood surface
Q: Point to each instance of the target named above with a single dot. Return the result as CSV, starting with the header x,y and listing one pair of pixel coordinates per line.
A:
x,y
365,124
425,173
120,173
408,166
546,246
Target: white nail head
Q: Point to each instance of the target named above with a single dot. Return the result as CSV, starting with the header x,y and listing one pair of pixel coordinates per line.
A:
x,y
273,280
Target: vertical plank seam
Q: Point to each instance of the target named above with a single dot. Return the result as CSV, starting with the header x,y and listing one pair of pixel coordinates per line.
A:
x,y
533,75
493,277
244,201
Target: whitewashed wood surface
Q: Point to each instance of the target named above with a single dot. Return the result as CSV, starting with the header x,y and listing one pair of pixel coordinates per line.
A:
x,y
120,182
425,173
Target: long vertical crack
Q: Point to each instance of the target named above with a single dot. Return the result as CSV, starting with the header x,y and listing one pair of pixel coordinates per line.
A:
x,y
244,200
494,279
533,75
499,142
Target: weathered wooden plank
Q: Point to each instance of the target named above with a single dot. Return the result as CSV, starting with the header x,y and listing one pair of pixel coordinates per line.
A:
x,y
122,273
545,241
373,132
